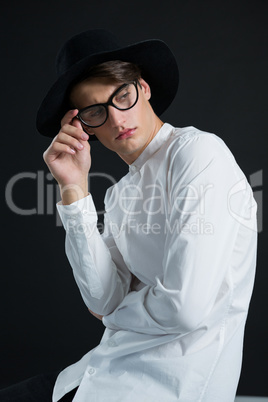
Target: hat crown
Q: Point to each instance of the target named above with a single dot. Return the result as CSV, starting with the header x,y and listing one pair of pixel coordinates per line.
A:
x,y
83,45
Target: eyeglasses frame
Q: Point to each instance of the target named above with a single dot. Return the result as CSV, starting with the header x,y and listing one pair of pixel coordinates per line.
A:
x,y
109,103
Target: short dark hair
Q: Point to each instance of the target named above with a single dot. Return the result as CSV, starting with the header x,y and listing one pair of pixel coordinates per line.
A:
x,y
120,72
117,70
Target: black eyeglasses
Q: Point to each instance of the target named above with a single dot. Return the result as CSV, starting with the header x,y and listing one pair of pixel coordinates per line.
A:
x,y
124,98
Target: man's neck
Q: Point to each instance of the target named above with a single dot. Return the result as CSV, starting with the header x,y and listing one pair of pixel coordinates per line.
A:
x,y
130,158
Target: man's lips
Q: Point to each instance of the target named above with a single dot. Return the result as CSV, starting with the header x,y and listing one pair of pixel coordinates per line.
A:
x,y
128,132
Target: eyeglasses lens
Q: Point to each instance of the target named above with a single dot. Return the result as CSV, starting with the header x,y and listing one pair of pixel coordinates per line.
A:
x,y
123,99
94,115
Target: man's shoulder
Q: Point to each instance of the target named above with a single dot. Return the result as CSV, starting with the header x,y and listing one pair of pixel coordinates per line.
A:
x,y
191,134
191,141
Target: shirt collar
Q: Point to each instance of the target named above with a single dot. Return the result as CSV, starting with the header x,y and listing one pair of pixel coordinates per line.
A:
x,y
156,143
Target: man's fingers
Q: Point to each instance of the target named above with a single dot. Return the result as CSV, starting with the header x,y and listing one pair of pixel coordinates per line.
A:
x,y
76,123
55,150
68,117
71,131
69,140
72,126
59,148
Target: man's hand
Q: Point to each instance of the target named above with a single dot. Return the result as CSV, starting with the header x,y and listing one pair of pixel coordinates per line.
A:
x,y
68,159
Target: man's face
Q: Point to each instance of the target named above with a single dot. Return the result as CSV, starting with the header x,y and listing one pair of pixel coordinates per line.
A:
x,y
126,132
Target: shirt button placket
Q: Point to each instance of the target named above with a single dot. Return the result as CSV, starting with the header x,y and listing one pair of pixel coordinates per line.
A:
x,y
133,168
111,343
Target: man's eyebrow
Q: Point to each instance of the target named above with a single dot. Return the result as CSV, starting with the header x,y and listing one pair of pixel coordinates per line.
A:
x,y
110,97
115,91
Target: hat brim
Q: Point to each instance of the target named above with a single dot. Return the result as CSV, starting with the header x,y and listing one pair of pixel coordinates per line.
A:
x,y
158,67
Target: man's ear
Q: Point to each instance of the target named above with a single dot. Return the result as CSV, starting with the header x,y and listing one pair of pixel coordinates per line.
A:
x,y
145,88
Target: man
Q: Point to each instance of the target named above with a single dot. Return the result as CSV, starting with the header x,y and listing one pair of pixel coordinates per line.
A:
x,y
172,275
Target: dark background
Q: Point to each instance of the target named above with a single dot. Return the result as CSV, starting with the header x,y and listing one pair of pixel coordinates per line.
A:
x,y
221,49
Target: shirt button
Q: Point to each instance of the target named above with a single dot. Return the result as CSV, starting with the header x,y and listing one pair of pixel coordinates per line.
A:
x,y
133,168
85,211
91,371
111,343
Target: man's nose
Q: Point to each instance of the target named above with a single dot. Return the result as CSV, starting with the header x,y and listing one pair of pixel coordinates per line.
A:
x,y
116,116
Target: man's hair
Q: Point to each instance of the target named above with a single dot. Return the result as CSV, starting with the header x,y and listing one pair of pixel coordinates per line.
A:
x,y
118,71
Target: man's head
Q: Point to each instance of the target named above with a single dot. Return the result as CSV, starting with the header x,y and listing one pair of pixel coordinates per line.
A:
x,y
113,103
124,75
91,48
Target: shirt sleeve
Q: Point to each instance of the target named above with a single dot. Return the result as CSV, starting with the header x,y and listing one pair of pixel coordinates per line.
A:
x,y
98,267
207,194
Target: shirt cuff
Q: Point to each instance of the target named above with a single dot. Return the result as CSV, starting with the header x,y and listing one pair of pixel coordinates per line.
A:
x,y
81,211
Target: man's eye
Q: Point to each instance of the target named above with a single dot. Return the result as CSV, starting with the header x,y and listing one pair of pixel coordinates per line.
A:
x,y
93,113
96,113
122,97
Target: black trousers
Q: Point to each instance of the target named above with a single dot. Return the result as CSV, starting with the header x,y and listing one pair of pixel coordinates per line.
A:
x,y
35,389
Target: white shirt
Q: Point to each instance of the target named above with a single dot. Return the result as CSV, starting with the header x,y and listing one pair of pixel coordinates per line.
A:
x,y
183,221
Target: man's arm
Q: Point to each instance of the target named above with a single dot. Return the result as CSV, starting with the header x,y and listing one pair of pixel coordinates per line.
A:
x,y
134,284
197,260
98,267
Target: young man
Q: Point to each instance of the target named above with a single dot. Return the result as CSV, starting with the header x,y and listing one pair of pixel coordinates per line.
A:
x,y
172,275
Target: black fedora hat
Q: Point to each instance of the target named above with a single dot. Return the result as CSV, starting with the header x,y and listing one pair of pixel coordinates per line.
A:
x,y
89,48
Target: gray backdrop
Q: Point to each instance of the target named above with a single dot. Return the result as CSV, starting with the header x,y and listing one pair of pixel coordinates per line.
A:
x,y
221,49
